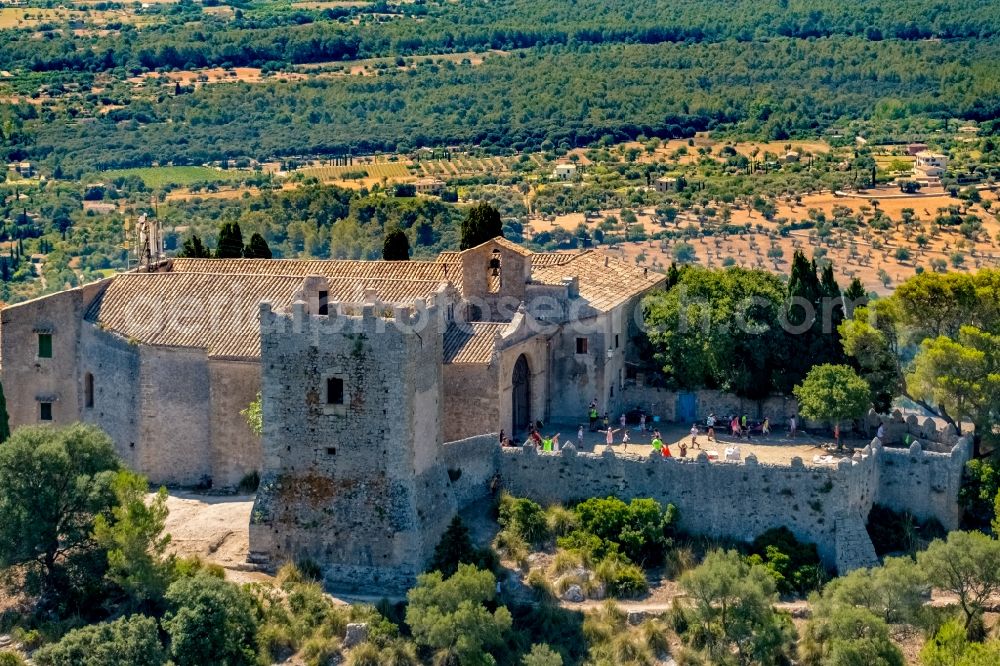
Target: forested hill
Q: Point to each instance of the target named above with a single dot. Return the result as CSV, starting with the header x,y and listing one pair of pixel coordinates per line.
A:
x,y
259,37
781,88
570,73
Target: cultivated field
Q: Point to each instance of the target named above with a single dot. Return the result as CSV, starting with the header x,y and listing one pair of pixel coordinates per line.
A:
x,y
155,177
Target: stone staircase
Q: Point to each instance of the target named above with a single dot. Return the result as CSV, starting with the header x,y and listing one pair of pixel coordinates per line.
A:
x,y
854,546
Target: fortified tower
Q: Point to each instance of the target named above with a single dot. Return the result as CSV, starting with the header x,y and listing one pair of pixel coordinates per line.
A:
x,y
353,478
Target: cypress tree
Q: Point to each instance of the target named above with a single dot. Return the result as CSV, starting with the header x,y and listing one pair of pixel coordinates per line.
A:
x,y
396,246
194,249
483,223
802,284
257,248
230,241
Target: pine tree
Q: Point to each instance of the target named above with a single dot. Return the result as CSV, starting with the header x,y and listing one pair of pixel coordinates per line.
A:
x,y
483,223
194,249
257,248
230,241
855,296
396,246
4,419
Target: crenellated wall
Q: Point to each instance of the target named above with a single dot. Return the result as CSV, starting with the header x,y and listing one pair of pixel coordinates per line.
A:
x,y
924,483
739,500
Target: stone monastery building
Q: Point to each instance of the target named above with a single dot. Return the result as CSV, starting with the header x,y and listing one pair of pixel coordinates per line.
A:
x,y
384,385
164,359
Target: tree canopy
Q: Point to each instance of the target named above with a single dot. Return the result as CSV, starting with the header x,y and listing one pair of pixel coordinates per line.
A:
x,y
54,483
481,223
450,616
396,246
833,393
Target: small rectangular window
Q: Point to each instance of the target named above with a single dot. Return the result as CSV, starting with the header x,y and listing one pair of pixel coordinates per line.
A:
x,y
581,345
334,391
324,306
88,389
44,345
45,411
616,341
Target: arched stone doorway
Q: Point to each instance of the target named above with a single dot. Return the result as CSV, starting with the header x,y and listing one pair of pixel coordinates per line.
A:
x,y
521,395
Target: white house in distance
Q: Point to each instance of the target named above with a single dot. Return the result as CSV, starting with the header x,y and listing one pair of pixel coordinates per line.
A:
x,y
929,167
665,184
565,171
429,185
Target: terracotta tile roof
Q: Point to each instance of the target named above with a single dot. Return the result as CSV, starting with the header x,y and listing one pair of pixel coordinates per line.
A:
x,y
471,342
540,259
387,270
605,282
191,309
201,310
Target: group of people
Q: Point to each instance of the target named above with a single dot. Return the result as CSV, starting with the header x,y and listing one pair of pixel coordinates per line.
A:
x,y
739,426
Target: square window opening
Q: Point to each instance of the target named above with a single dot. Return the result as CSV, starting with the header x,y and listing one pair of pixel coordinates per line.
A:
x,y
581,345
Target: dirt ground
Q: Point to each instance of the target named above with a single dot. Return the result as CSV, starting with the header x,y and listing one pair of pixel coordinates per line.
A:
x,y
215,529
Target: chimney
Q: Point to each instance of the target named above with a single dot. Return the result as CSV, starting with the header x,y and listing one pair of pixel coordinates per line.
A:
x,y
371,295
605,260
572,285
645,272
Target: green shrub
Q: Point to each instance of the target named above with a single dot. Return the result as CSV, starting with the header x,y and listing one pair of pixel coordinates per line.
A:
x,y
560,520
210,621
455,547
591,547
795,566
365,654
523,517
129,641
542,655
319,651
894,532
566,560
249,483
11,659
642,529
621,579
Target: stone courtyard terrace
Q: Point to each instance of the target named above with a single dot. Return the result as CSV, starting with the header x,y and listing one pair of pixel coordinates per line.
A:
x,y
776,449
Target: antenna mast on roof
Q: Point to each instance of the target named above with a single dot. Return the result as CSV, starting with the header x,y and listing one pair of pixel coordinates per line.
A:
x,y
148,239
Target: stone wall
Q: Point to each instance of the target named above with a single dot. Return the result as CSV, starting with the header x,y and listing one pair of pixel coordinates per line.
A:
x,y
924,483
933,434
663,403
174,415
28,379
727,499
471,465
236,451
114,364
471,399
